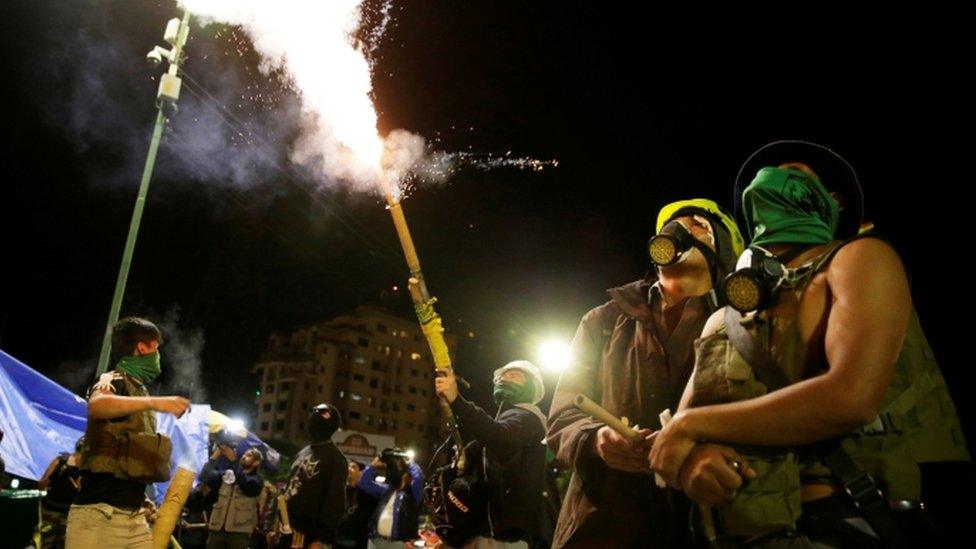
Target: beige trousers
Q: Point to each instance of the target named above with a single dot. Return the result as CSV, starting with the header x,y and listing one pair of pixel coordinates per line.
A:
x,y
99,525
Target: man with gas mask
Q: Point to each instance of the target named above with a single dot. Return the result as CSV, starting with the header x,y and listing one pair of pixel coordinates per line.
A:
x,y
122,452
816,379
509,453
633,356
316,490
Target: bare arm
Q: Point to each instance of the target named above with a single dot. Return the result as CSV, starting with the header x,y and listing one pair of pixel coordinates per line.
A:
x,y
104,405
865,331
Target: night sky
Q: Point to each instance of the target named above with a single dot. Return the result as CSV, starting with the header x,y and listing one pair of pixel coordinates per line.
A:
x,y
640,107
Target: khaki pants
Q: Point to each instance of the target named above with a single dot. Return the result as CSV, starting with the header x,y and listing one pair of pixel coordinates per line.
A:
x,y
99,525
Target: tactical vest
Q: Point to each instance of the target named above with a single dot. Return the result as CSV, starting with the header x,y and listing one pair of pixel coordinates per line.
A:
x,y
234,512
917,423
129,449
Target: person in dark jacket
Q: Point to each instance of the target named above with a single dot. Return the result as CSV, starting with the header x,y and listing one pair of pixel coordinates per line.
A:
x,y
316,489
62,480
509,451
354,528
633,355
400,494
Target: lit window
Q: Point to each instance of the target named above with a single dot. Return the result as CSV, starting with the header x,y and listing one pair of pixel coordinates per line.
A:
x,y
414,356
355,397
342,393
360,360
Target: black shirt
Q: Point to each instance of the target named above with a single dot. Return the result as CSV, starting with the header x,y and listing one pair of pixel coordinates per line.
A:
x,y
105,487
317,491
64,481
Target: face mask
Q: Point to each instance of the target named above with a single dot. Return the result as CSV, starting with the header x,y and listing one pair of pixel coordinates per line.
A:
x,y
321,428
788,207
512,393
145,368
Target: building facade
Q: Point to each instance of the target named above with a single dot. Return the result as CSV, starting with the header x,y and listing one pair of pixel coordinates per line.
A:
x,y
370,363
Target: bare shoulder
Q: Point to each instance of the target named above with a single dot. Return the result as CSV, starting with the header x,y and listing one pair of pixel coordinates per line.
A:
x,y
868,273
866,261
714,322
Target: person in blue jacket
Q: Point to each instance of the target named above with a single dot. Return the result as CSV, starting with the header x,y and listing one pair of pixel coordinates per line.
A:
x,y
400,494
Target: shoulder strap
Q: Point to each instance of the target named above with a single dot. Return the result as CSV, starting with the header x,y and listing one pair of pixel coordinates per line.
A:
x,y
761,361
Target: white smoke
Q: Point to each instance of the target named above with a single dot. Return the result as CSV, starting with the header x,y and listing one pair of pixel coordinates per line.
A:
x,y
313,43
181,352
409,159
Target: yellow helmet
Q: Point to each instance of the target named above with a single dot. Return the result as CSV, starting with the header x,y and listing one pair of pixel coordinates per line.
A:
x,y
670,211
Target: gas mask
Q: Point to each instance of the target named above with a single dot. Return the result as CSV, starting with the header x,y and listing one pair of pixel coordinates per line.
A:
x,y
674,243
758,276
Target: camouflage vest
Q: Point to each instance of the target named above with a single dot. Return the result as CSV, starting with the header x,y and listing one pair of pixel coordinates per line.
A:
x,y
129,449
917,423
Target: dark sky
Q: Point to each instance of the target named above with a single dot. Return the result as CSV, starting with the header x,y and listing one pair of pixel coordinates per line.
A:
x,y
639,106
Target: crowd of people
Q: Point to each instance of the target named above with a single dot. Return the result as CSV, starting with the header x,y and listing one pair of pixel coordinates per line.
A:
x,y
776,385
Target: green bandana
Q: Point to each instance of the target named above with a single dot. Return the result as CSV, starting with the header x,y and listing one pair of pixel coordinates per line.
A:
x,y
788,207
145,368
512,393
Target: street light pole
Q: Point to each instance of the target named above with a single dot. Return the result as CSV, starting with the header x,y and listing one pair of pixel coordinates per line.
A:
x,y
177,31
